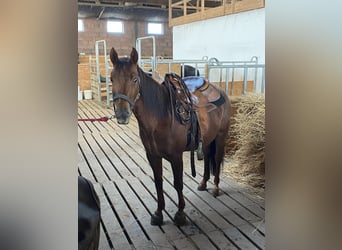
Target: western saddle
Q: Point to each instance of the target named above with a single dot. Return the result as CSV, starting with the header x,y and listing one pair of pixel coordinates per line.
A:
x,y
194,97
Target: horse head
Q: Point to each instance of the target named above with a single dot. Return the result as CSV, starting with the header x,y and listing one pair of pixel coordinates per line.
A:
x,y
125,84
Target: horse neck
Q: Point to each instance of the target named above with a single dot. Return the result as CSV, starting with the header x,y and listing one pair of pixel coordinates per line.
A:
x,y
155,100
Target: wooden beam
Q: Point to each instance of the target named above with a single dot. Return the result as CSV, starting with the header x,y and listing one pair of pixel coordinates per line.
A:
x,y
225,9
233,5
170,11
179,3
189,8
184,7
248,5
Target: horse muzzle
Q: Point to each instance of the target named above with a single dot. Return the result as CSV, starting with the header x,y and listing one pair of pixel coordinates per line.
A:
x,y
123,113
123,116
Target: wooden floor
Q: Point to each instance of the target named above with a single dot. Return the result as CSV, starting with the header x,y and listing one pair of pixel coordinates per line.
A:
x,y
113,158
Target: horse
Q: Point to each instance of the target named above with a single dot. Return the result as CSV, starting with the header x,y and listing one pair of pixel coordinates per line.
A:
x,y
162,135
189,71
186,70
89,215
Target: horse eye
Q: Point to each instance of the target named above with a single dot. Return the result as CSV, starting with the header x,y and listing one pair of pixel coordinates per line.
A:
x,y
135,80
111,79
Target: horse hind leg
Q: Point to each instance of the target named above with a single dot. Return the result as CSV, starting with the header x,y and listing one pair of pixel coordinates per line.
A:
x,y
219,154
203,184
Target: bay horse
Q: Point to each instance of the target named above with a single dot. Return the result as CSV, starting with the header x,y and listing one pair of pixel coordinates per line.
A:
x,y
189,71
163,136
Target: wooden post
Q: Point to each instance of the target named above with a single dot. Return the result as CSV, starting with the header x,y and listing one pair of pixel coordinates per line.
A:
x,y
202,6
233,6
170,12
184,7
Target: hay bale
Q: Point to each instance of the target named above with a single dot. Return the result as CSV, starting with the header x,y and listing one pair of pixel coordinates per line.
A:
x,y
230,146
247,140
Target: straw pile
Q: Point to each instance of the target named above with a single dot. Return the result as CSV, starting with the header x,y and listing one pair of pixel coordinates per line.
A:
x,y
246,143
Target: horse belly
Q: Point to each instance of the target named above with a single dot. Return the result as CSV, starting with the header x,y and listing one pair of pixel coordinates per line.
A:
x,y
165,142
174,143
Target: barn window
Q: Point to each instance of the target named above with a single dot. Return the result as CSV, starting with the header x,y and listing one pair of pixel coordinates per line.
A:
x,y
155,28
114,27
80,25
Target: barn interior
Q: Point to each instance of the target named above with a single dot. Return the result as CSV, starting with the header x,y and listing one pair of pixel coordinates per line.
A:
x,y
224,42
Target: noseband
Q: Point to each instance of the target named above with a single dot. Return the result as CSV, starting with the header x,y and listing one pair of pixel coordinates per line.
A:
x,y
126,98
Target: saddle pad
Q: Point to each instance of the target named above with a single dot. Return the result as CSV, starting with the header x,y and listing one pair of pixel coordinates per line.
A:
x,y
193,82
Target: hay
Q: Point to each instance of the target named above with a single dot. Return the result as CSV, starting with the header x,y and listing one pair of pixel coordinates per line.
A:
x,y
246,143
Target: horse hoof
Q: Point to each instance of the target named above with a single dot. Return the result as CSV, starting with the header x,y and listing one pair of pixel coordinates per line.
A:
x,y
200,155
202,187
156,220
180,218
216,192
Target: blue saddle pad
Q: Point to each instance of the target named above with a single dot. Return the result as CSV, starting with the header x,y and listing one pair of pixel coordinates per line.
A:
x,y
193,82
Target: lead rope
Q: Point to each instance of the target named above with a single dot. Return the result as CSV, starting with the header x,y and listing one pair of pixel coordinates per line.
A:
x,y
101,119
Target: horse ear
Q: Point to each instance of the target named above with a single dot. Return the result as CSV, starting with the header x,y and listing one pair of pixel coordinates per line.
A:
x,y
134,56
114,56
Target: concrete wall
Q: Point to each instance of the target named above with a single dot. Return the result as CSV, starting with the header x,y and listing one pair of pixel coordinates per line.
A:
x,y
97,30
233,37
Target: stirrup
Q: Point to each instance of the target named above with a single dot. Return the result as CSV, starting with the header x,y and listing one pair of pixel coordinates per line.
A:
x,y
200,151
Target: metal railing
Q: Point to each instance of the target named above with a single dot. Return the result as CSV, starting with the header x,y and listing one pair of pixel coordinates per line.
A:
x,y
106,64
152,60
199,65
212,69
231,71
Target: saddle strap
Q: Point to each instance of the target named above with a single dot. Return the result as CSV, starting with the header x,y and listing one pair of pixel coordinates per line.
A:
x,y
183,101
184,112
193,132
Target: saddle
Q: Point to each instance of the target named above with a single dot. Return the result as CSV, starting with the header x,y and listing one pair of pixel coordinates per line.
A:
x,y
203,93
194,98
206,97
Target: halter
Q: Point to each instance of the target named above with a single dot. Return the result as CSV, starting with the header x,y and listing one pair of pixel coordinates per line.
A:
x,y
126,98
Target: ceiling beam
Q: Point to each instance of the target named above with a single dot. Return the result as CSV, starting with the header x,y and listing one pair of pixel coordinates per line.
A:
x,y
122,3
154,2
103,8
162,7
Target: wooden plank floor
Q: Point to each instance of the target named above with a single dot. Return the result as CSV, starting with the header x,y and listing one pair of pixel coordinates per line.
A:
x,y
113,159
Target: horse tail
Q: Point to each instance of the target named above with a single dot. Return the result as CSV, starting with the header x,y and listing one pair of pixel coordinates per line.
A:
x,y
212,153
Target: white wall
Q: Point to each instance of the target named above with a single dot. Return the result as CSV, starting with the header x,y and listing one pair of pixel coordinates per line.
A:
x,y
236,37
233,37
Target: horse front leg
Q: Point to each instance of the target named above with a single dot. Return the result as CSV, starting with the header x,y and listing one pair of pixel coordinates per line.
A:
x,y
156,164
177,169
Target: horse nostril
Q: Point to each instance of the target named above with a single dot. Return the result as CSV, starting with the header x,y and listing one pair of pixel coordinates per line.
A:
x,y
127,112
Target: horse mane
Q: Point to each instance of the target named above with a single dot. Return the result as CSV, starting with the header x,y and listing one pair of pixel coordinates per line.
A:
x,y
155,95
